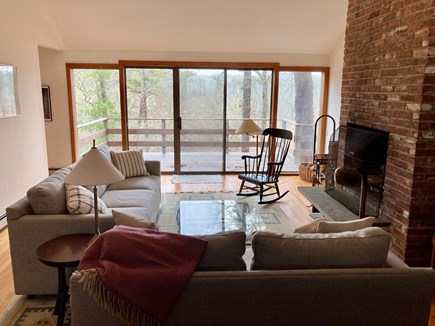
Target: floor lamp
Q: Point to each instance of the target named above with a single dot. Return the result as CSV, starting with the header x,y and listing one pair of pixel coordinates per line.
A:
x,y
249,127
94,169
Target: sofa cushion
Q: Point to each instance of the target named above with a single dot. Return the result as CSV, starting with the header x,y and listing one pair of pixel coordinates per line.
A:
x,y
129,198
80,200
150,182
224,252
362,248
48,196
130,163
335,227
122,218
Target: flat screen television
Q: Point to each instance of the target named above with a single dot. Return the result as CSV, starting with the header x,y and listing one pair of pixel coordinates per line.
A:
x,y
365,148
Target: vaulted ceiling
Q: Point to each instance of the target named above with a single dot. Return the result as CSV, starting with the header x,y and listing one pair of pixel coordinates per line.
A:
x,y
246,26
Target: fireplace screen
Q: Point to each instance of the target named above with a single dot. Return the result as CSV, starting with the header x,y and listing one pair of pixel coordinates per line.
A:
x,y
362,152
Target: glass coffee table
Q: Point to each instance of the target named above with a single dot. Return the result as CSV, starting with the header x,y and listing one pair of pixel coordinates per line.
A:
x,y
201,217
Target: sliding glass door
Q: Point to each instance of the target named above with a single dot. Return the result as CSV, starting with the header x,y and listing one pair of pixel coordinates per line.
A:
x,y
201,120
150,113
187,117
248,97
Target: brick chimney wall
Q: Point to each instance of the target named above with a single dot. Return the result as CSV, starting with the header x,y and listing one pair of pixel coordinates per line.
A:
x,y
389,84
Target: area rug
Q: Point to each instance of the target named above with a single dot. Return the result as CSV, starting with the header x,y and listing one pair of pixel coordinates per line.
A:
x,y
268,217
196,178
33,310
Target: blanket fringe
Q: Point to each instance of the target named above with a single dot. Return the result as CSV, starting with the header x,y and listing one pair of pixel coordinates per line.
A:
x,y
112,303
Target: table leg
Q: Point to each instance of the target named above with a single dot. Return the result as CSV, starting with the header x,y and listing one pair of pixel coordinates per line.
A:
x,y
62,296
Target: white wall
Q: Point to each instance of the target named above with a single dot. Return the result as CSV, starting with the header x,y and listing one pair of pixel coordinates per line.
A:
x,y
22,139
335,79
57,131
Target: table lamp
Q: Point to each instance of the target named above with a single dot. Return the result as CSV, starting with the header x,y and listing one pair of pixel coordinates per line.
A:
x,y
249,127
94,169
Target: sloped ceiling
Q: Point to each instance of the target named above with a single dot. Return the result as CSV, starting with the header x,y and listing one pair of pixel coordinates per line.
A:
x,y
247,26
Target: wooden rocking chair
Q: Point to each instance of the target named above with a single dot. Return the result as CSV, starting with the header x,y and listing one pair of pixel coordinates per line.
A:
x,y
263,170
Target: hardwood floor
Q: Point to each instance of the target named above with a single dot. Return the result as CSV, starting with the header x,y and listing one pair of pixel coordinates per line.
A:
x,y
294,204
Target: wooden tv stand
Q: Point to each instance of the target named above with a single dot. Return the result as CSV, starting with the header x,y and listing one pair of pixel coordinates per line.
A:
x,y
330,208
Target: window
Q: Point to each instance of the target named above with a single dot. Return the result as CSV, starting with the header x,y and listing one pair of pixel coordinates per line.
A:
x,y
301,100
94,93
186,114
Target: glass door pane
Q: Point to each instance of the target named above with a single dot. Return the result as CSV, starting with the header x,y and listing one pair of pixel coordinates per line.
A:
x,y
299,105
150,114
248,97
202,120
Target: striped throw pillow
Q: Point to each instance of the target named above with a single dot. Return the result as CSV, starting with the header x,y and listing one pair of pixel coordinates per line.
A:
x,y
80,200
129,163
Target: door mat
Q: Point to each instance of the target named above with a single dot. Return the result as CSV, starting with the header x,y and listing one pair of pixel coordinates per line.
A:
x,y
196,178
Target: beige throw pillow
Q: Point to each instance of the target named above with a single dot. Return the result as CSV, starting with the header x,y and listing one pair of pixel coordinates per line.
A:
x,y
224,252
322,225
129,163
80,200
132,220
334,227
354,249
310,227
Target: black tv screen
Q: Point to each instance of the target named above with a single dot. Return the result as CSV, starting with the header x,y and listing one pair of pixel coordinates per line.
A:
x,y
365,148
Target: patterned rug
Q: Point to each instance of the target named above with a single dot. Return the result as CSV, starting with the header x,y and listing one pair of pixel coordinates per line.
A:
x,y
34,310
268,217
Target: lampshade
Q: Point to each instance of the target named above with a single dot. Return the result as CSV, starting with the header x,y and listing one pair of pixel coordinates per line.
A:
x,y
248,126
94,169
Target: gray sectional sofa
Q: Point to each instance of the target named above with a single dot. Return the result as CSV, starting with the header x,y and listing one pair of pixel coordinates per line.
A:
x,y
42,215
296,280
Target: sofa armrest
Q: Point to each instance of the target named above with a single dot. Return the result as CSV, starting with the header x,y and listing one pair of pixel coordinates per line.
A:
x,y
153,167
19,208
394,262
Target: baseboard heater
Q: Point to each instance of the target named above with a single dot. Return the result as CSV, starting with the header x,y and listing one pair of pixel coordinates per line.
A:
x,y
3,221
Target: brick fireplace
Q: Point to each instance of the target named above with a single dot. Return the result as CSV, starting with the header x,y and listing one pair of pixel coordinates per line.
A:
x,y
389,84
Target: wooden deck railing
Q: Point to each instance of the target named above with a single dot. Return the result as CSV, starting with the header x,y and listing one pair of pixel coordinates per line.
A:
x,y
162,136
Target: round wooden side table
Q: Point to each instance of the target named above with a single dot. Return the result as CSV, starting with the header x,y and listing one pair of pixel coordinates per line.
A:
x,y
64,251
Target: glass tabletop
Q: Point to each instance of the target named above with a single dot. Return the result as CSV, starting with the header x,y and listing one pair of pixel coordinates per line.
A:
x,y
201,217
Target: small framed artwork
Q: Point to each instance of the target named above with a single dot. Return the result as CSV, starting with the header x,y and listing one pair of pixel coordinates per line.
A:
x,y
9,97
46,102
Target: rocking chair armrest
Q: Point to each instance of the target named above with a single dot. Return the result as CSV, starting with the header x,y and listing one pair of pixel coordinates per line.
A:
x,y
275,163
244,157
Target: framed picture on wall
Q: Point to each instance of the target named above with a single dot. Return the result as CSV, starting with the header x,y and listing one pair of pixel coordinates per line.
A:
x,y
46,102
9,97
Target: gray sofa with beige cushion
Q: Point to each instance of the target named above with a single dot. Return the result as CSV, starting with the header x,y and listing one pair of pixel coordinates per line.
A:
x,y
345,278
43,215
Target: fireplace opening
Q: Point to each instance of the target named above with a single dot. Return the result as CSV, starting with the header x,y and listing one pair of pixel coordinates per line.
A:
x,y
358,181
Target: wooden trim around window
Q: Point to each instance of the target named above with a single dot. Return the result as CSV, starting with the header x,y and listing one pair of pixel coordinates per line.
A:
x,y
72,116
71,109
192,64
123,64
324,97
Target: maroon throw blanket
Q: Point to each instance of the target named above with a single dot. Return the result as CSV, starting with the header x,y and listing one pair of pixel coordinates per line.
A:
x,y
145,268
